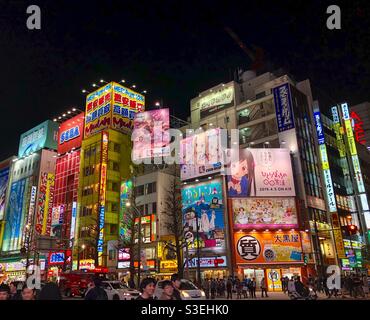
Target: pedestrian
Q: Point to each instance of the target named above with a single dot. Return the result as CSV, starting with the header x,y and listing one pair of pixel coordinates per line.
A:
x,y
239,288
357,286
229,289
131,283
147,287
223,288
176,283
168,289
213,288
4,292
206,287
263,287
50,292
365,285
252,288
28,293
291,285
96,293
245,288
14,293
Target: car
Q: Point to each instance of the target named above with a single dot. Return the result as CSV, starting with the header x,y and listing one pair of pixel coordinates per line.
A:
x,y
116,290
188,290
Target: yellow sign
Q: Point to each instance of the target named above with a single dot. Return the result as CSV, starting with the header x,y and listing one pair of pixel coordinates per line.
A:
x,y
274,279
352,146
339,243
168,264
348,126
46,226
112,106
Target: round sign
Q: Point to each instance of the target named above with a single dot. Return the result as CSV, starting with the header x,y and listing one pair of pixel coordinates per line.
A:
x,y
248,248
273,275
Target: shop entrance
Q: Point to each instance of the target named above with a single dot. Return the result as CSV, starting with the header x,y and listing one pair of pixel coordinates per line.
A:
x,y
258,274
291,272
214,274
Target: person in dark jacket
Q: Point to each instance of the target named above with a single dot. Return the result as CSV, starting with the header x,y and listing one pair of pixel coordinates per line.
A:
x,y
96,293
176,282
50,292
229,288
15,294
147,287
4,292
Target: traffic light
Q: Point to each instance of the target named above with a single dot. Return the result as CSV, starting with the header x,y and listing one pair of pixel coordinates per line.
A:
x,y
352,229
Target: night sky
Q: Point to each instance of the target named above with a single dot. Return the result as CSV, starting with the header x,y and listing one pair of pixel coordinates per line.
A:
x,y
172,49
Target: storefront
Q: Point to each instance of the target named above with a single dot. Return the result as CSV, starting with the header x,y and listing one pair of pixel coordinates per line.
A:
x,y
271,255
16,270
214,267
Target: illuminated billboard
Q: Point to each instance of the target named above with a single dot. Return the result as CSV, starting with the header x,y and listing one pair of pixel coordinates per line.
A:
x,y
259,172
15,215
267,247
283,107
215,100
258,213
70,134
44,203
4,179
112,106
45,135
201,154
151,137
203,211
125,216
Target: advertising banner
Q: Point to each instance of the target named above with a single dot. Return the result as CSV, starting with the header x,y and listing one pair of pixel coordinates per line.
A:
x,y
12,234
102,189
112,106
262,213
126,103
214,101
208,262
259,172
151,138
268,247
57,221
283,107
70,133
48,204
98,110
41,202
45,135
201,154
203,211
4,178
73,221
125,216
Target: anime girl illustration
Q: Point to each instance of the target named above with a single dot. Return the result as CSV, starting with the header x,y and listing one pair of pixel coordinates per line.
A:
x,y
241,182
241,216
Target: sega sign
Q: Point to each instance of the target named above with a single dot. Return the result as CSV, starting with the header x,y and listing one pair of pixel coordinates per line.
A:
x,y
58,258
70,134
319,128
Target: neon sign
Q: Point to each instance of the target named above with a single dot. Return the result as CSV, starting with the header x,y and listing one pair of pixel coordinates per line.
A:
x,y
69,134
357,127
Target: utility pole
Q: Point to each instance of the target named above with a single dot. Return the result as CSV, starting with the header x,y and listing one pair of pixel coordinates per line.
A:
x,y
198,253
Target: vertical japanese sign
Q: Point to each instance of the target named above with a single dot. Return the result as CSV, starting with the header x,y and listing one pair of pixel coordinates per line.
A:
x,y
41,202
31,211
125,217
103,182
338,238
358,128
4,178
73,220
283,107
48,204
325,163
352,148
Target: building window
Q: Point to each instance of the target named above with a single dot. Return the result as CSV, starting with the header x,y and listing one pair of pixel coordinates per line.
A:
x,y
115,186
154,207
152,187
116,147
112,254
115,166
86,211
140,190
113,229
114,207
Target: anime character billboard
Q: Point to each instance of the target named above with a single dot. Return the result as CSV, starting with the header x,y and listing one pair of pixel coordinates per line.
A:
x,y
203,213
263,172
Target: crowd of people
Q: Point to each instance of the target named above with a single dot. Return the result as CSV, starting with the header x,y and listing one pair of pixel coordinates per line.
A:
x,y
12,292
222,288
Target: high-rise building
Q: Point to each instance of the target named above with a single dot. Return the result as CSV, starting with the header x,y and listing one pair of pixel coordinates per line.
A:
x,y
105,163
28,209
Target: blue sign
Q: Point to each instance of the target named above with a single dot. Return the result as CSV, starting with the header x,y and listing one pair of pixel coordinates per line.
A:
x,y
319,127
45,135
4,178
283,107
14,215
69,134
57,257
